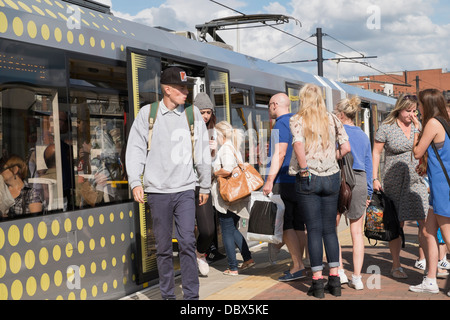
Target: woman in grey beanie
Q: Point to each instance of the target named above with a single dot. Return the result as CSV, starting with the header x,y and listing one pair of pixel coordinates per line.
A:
x,y
205,214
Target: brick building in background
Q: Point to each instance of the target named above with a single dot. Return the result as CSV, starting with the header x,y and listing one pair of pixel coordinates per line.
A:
x,y
396,83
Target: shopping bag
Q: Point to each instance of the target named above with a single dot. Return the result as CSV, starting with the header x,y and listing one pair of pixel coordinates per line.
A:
x,y
266,218
381,222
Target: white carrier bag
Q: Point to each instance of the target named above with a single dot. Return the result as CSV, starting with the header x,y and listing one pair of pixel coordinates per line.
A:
x,y
266,218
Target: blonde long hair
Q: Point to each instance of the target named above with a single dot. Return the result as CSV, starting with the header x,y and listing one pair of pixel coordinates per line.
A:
x,y
404,102
225,131
316,125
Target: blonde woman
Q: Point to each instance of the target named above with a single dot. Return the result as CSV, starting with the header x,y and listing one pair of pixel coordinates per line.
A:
x,y
315,134
346,111
401,182
229,141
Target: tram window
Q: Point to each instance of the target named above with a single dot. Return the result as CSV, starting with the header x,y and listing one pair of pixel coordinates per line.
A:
x,y
263,128
219,89
98,135
240,96
29,120
262,99
294,97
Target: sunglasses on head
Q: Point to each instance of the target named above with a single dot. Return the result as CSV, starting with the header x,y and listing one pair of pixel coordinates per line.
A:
x,y
412,97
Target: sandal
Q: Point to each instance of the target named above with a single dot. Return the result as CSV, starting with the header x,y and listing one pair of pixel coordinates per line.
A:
x,y
229,272
247,264
399,273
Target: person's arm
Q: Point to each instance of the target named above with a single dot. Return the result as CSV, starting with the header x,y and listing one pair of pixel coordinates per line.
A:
x,y
299,150
368,168
35,207
376,156
277,161
343,150
136,154
430,132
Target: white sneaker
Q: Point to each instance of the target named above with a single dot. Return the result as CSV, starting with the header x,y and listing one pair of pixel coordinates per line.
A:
x,y
444,264
420,264
203,266
342,276
356,283
427,286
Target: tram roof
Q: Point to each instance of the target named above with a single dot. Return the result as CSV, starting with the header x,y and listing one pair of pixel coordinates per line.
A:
x,y
60,24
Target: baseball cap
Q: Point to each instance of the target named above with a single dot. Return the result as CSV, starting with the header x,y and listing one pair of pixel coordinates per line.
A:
x,y
175,75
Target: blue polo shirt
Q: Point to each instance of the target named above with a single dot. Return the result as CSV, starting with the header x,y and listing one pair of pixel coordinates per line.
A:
x,y
281,133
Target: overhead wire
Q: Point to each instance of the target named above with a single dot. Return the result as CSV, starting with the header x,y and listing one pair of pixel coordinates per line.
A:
x,y
311,43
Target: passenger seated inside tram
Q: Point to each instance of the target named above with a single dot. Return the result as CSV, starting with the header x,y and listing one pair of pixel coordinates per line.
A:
x,y
50,162
26,199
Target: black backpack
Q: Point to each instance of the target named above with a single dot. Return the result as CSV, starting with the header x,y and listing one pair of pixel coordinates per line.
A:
x,y
381,219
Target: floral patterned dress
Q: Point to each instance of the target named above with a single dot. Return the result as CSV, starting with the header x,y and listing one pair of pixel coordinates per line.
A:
x,y
400,180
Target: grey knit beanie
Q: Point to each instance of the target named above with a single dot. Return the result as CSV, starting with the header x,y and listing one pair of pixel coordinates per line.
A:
x,y
202,101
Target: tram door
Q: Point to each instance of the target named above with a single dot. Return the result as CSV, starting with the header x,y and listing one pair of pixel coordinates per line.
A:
x,y
144,72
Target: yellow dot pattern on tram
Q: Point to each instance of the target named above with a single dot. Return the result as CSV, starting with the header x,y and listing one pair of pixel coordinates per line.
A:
x,y
75,19
32,271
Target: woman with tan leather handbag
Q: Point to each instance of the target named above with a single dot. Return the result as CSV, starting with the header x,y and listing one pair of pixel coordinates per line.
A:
x,y
227,158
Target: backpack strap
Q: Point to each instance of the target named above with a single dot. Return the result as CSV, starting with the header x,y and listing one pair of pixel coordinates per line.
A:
x,y
153,112
151,121
189,111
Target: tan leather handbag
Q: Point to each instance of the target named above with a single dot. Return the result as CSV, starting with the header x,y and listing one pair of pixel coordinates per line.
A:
x,y
243,180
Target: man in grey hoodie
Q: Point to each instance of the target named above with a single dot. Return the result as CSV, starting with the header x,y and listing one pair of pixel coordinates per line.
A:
x,y
169,179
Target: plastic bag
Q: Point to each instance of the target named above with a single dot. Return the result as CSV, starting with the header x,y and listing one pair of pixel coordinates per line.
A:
x,y
266,218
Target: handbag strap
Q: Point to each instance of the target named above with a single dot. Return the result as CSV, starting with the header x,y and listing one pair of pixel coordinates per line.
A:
x,y
239,162
433,145
440,161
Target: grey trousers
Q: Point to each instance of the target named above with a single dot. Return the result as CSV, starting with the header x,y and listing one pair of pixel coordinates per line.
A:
x,y
166,208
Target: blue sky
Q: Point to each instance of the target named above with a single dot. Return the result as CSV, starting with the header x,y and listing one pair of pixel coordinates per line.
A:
x,y
403,34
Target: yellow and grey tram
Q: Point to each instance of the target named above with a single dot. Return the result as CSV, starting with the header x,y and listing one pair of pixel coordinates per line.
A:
x,y
73,76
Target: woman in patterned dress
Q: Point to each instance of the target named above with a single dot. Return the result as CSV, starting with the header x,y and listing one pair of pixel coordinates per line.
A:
x,y
401,182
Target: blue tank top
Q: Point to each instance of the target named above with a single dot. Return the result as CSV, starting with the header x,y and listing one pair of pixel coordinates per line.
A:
x,y
439,188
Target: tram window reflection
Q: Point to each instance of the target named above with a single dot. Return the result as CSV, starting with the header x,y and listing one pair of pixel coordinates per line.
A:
x,y
99,144
26,130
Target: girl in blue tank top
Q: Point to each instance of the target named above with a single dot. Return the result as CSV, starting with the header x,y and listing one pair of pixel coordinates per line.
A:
x,y
432,106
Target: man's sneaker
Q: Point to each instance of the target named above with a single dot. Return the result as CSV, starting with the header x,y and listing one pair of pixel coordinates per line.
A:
x,y
356,283
342,276
274,250
203,266
421,264
427,286
444,264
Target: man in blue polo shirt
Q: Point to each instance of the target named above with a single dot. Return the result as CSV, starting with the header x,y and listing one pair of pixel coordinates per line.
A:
x,y
280,182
